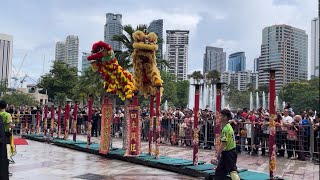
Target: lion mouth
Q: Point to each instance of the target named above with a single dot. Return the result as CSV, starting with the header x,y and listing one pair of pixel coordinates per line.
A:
x,y
96,54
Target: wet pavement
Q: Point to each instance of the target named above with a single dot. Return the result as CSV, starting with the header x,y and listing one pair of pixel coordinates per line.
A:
x,y
40,160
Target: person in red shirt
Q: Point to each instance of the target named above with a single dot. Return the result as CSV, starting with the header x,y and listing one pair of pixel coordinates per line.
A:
x,y
244,113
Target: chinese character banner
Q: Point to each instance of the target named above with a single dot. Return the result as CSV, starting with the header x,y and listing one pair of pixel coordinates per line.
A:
x,y
106,122
133,138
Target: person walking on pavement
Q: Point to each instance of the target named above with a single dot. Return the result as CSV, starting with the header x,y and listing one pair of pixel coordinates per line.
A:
x,y
226,155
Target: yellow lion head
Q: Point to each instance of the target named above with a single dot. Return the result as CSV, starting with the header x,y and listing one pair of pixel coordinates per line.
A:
x,y
144,41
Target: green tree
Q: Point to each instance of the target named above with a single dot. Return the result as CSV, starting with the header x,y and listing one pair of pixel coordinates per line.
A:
x,y
169,87
17,98
60,82
302,95
197,76
3,86
182,93
238,99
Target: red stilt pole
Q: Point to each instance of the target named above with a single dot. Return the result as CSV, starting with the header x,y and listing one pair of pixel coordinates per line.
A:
x,y
38,122
158,127
272,128
75,112
196,126
59,121
51,121
25,124
89,121
217,123
66,121
151,125
45,121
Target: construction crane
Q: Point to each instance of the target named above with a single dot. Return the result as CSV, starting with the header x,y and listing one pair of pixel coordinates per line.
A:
x,y
15,77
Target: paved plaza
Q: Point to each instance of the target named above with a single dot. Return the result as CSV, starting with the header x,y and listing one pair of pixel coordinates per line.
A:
x,y
44,161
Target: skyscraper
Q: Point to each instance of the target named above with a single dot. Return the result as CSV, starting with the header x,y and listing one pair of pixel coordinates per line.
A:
x,y
68,51
5,58
113,27
214,59
177,52
85,62
72,50
256,65
61,51
156,26
237,62
240,80
315,57
286,49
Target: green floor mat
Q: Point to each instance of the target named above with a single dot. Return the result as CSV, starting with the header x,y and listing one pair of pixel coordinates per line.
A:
x,y
201,167
211,171
33,135
118,152
92,146
251,175
63,141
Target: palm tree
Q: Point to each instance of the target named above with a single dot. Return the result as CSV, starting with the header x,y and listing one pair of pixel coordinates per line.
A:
x,y
126,39
197,76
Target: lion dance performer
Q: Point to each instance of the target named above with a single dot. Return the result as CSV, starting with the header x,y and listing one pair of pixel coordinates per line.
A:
x,y
146,74
116,79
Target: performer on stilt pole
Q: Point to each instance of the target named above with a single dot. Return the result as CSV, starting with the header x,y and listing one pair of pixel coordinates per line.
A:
x,y
59,122
89,121
75,113
158,127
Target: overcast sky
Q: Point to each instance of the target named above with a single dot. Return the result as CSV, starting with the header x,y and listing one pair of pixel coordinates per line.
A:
x,y
235,25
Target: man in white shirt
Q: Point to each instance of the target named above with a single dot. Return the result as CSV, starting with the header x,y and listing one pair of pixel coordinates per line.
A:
x,y
287,121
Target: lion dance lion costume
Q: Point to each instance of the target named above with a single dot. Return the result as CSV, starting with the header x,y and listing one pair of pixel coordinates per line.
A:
x,y
116,79
146,74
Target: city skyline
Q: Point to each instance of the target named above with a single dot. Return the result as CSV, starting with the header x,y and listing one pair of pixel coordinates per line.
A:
x,y
210,24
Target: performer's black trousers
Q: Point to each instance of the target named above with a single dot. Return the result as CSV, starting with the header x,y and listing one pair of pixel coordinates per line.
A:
x,y
227,164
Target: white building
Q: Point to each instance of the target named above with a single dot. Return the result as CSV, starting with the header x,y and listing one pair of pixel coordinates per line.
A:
x,y
6,42
315,57
240,80
68,51
33,91
72,50
113,27
60,51
177,52
214,59
284,48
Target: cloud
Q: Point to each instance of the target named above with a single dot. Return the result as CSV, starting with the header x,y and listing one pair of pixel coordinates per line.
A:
x,y
227,45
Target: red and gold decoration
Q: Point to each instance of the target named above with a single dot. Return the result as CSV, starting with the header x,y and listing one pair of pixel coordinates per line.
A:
x,y
59,122
89,120
66,121
38,122
158,127
217,115
74,126
52,122
116,79
106,121
146,74
272,128
196,126
133,137
45,122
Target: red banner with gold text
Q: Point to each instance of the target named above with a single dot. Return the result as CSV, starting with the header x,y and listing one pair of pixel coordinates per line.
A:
x,y
133,138
106,122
